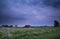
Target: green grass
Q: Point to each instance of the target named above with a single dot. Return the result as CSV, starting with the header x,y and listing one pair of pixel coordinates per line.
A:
x,y
30,33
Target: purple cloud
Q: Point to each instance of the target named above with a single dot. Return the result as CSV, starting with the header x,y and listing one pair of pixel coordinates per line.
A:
x,y
33,12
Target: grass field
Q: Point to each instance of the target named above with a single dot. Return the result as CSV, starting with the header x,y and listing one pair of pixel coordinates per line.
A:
x,y
30,33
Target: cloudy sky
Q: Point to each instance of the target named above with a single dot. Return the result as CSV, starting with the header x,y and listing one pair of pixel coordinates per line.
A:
x,y
29,12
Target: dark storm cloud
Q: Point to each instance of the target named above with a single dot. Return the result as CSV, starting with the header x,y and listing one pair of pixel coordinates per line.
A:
x,y
3,4
53,3
5,18
34,12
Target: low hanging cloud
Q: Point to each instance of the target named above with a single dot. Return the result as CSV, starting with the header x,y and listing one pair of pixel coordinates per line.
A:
x,y
33,12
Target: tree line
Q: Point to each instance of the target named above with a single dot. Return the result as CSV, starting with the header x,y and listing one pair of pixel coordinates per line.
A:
x,y
56,24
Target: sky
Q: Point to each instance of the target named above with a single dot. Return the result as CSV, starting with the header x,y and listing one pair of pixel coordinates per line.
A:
x,y
29,12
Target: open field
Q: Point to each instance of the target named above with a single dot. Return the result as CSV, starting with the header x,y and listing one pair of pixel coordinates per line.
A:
x,y
30,33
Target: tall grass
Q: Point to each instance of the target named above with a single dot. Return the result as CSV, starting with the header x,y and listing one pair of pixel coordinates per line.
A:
x,y
30,33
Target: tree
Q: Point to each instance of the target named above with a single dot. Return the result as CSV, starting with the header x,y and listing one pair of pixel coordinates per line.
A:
x,y
27,26
15,25
5,26
11,26
56,23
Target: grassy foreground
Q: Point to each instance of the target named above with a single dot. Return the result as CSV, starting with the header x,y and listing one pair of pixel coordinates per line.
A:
x,y
30,33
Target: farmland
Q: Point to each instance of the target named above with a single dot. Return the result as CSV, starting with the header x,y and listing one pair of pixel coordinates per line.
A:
x,y
30,33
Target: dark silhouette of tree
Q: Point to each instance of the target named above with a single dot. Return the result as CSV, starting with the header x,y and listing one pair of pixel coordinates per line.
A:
x,y
15,25
5,26
27,26
56,23
11,26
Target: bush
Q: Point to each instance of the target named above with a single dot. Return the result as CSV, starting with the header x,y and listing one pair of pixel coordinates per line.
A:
x,y
27,26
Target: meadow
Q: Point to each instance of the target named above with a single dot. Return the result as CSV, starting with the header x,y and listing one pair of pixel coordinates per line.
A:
x,y
30,33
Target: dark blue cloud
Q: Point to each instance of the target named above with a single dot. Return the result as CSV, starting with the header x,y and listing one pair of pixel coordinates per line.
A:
x,y
34,12
53,3
10,19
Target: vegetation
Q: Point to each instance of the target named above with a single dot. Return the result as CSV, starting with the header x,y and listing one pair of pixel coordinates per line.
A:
x,y
27,26
30,33
56,23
